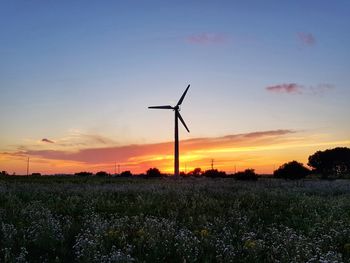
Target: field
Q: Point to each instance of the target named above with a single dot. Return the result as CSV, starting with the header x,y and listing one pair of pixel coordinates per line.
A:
x,y
165,220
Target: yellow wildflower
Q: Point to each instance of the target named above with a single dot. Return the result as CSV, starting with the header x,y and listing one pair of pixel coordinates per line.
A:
x,y
249,244
347,248
204,233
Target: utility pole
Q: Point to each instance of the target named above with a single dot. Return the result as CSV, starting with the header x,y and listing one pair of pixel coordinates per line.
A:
x,y
28,166
212,164
115,168
235,169
118,169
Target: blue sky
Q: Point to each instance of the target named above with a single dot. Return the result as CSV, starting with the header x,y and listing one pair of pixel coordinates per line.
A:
x,y
95,66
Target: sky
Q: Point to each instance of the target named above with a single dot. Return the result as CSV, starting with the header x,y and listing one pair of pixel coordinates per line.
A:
x,y
269,83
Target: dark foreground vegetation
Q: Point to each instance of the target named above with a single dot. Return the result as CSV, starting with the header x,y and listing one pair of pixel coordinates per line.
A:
x,y
103,219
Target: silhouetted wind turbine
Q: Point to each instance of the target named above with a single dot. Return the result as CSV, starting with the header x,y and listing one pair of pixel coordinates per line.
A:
x,y
176,109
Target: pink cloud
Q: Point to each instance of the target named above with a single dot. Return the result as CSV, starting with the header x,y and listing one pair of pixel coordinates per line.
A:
x,y
207,38
291,88
307,39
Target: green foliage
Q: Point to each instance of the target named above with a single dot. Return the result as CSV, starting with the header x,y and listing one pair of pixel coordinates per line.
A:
x,y
97,219
292,170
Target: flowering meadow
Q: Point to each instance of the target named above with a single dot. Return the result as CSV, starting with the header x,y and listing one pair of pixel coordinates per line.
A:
x,y
52,219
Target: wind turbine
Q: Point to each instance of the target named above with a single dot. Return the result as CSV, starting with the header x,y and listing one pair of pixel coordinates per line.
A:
x,y
176,109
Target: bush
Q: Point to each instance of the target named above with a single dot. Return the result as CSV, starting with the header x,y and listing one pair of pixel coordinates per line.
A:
x,y
83,174
102,174
214,173
292,170
126,174
196,172
4,173
153,172
248,174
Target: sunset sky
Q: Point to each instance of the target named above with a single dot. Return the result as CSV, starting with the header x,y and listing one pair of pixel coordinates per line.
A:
x,y
269,83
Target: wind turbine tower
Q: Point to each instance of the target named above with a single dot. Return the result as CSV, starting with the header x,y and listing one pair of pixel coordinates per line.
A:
x,y
176,110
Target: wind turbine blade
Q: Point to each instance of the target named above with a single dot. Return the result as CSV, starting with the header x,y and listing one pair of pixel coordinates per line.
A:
x,y
167,107
182,120
183,96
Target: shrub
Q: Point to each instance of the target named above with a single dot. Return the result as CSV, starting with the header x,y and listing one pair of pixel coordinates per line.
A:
x,y
214,173
83,174
126,174
153,172
196,172
248,174
291,170
4,173
102,174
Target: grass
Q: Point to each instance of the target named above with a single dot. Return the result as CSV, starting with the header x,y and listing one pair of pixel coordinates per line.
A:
x,y
52,219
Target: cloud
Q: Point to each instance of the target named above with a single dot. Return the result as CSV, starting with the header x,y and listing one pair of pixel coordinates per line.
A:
x,y
139,153
80,139
47,140
306,39
207,38
320,89
291,88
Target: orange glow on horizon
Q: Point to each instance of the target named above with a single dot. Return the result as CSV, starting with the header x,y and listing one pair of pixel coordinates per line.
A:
x,y
262,151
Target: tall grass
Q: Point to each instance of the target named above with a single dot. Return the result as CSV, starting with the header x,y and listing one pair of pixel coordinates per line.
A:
x,y
164,220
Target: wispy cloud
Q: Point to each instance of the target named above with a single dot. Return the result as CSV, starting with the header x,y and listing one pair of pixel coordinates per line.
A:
x,y
76,139
207,38
294,88
291,88
158,151
320,88
306,39
47,140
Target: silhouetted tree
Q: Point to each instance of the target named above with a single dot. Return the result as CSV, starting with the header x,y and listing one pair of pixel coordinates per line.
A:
x,y
102,174
83,174
36,174
332,162
214,173
247,174
196,172
4,173
291,170
153,172
126,174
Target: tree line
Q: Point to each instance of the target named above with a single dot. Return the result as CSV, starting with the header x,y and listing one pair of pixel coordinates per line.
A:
x,y
328,164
